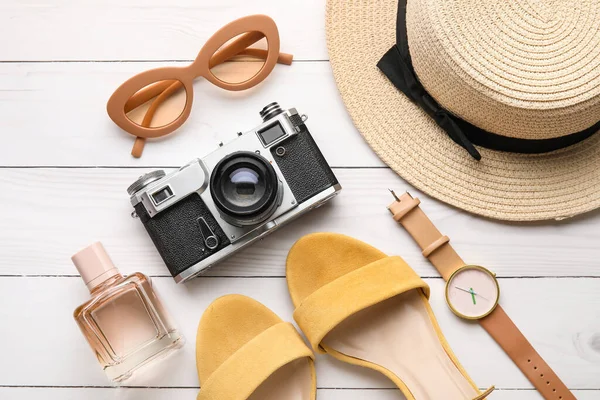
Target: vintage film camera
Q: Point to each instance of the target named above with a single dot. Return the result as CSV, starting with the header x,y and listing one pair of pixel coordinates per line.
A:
x,y
214,206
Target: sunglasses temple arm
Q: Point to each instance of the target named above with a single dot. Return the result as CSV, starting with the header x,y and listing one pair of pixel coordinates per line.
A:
x,y
145,94
283,58
235,47
241,46
138,145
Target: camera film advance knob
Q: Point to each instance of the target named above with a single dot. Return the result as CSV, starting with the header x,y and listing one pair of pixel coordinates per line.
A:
x,y
270,110
145,180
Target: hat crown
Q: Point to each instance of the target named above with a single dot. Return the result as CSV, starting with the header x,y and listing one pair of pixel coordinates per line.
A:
x,y
525,69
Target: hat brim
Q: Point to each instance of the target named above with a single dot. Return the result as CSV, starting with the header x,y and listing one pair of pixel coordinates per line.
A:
x,y
505,186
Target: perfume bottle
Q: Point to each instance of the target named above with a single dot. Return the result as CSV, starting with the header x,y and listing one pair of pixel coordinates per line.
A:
x,y
124,322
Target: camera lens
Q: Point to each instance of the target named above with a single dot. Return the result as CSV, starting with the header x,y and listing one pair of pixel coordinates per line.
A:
x,y
244,186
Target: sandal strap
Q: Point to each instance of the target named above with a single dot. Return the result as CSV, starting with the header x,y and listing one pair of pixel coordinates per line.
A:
x,y
332,303
485,394
243,372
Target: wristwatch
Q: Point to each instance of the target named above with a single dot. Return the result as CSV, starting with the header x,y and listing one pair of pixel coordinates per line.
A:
x,y
472,292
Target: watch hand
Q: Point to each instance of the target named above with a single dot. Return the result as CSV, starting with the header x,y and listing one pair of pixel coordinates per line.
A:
x,y
469,291
464,290
472,295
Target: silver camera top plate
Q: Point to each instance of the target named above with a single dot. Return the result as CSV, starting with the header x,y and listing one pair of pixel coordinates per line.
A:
x,y
192,177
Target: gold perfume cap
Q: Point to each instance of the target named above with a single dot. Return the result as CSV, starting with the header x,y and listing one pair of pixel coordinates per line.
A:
x,y
94,265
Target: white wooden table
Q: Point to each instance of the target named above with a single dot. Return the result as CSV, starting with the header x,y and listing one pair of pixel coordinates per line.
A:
x,y
65,168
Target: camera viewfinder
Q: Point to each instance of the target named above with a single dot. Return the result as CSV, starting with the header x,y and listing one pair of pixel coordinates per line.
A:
x,y
162,195
271,134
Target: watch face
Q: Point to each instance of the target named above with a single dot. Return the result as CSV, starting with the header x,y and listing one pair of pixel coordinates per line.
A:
x,y
472,292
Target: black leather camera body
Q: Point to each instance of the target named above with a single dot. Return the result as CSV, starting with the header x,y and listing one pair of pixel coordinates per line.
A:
x,y
212,207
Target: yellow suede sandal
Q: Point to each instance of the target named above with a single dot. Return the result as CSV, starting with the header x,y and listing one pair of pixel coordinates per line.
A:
x,y
246,352
366,308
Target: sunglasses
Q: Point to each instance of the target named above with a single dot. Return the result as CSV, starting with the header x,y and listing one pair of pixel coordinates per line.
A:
x,y
157,102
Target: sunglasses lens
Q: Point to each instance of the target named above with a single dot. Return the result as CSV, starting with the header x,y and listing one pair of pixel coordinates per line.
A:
x,y
240,59
157,104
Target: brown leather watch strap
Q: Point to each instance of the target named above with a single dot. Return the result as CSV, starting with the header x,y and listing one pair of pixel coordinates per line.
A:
x,y
435,247
513,342
438,250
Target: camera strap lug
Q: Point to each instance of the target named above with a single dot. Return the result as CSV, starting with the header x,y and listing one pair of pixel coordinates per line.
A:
x,y
297,120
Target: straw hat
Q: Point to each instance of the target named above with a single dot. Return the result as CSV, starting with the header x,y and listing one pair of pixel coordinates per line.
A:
x,y
521,76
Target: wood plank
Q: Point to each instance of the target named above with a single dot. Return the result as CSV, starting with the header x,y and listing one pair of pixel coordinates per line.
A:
x,y
47,349
46,215
55,114
186,394
147,30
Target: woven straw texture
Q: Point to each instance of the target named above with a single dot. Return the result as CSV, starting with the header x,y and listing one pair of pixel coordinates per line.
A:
x,y
522,68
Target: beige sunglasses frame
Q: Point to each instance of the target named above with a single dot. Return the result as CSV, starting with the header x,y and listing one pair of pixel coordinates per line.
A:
x,y
128,96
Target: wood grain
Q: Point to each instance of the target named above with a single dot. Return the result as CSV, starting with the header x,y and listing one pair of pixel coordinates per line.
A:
x,y
147,29
559,316
54,114
187,394
49,214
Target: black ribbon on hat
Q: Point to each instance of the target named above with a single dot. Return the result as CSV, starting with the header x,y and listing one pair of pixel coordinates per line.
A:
x,y
396,64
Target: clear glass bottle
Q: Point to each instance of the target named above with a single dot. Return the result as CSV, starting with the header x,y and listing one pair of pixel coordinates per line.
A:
x,y
124,322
